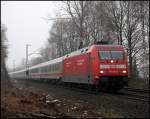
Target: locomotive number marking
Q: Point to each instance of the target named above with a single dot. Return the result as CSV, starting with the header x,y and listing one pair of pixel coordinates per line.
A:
x,y
112,66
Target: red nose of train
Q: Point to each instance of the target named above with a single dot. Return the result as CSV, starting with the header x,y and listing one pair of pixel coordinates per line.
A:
x,y
113,68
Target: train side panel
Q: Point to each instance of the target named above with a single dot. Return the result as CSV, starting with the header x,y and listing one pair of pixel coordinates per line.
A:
x,y
77,69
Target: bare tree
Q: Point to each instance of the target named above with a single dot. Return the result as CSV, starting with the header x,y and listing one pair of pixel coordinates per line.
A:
x,y
78,10
5,82
56,37
117,14
133,30
36,60
45,53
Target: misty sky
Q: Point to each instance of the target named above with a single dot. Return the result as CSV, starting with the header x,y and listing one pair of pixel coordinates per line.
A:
x,y
25,23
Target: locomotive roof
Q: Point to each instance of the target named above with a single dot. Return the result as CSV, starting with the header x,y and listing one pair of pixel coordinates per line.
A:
x,y
118,46
78,52
87,49
110,47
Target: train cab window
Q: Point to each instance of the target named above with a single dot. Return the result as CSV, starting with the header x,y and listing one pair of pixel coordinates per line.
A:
x,y
117,54
111,55
104,55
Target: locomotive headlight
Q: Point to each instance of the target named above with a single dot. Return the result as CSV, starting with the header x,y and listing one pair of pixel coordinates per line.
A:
x,y
101,71
121,66
104,66
111,61
124,71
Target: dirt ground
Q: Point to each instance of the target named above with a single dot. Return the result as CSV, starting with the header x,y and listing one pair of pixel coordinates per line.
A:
x,y
28,101
24,103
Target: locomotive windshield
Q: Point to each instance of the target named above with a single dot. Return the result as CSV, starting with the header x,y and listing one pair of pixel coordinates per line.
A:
x,y
117,54
111,55
104,54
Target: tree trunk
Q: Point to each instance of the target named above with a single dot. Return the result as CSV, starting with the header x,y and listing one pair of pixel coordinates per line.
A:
x,y
5,81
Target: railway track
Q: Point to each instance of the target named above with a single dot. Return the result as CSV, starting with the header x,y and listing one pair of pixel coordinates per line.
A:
x,y
136,97
131,95
139,94
137,90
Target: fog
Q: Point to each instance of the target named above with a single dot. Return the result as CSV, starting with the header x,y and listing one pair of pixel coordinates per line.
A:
x,y
25,24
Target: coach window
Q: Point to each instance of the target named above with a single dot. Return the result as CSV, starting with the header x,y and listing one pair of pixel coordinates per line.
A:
x,y
49,68
58,66
55,66
46,68
42,70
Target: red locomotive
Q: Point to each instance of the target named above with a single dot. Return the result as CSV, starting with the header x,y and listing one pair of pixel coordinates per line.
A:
x,y
103,66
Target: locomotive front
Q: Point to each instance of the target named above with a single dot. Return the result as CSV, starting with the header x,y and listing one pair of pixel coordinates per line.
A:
x,y
112,67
